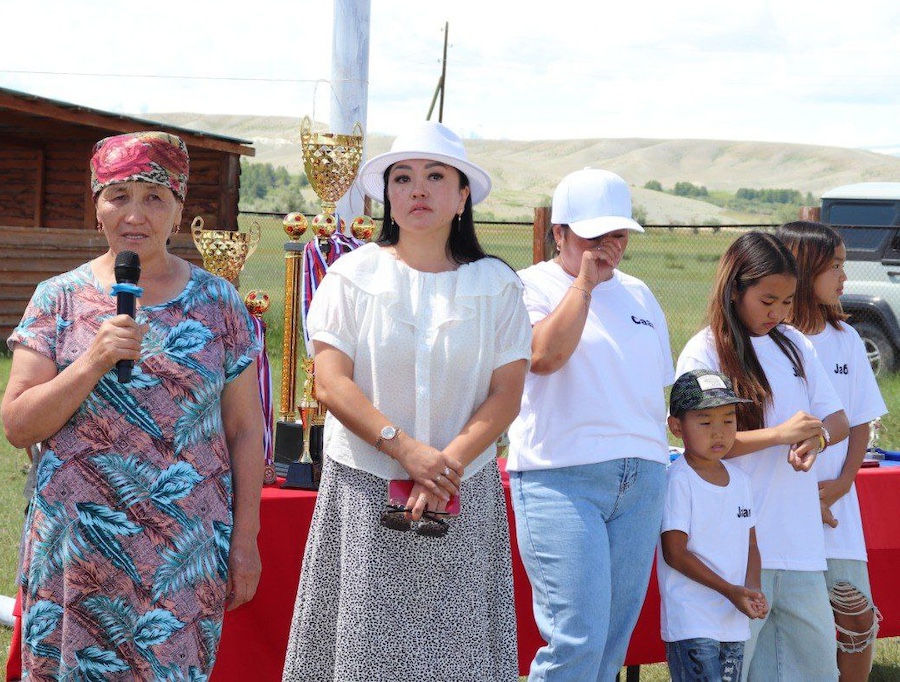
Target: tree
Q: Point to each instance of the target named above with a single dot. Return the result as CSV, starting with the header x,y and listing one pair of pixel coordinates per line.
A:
x,y
655,185
639,213
265,188
689,189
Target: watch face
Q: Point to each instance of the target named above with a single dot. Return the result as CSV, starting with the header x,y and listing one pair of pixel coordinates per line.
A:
x,y
388,432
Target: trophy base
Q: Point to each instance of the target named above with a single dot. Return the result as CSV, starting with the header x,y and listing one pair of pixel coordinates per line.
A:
x,y
288,442
302,476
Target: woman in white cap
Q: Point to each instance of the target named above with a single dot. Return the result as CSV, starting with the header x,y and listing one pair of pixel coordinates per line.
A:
x,y
421,347
588,450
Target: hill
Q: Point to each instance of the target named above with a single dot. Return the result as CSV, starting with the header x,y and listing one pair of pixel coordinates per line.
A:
x,y
525,172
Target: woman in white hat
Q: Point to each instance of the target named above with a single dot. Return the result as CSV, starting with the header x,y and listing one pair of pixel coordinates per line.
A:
x,y
421,346
588,450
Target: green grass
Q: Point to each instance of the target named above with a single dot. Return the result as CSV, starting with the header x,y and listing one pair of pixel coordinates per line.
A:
x,y
13,466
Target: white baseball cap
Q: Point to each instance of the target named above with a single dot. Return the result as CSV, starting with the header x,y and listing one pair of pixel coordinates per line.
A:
x,y
431,141
593,202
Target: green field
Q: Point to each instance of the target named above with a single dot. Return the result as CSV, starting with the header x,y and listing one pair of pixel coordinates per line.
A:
x,y
677,265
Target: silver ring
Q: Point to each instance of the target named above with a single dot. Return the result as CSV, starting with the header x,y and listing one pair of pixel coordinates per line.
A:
x,y
447,472
437,479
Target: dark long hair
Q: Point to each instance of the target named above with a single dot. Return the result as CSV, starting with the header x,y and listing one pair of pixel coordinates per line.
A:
x,y
750,257
462,244
813,245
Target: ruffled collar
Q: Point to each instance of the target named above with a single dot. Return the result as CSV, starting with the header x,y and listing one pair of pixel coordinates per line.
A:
x,y
451,295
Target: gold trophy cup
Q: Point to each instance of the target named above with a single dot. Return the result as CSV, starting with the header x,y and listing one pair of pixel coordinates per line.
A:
x,y
224,251
331,162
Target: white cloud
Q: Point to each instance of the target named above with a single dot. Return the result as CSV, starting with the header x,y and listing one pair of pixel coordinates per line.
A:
x,y
801,71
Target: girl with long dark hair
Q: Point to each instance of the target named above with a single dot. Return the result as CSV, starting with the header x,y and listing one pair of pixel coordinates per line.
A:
x,y
793,416
820,254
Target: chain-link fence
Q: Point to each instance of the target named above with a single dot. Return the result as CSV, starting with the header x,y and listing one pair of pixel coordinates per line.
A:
x,y
677,263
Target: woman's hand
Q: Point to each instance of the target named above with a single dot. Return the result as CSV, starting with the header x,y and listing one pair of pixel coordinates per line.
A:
x,y
802,455
799,428
598,262
430,468
421,499
244,569
827,517
831,491
119,338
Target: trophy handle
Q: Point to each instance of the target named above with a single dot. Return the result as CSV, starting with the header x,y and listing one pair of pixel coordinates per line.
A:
x,y
196,226
305,129
253,238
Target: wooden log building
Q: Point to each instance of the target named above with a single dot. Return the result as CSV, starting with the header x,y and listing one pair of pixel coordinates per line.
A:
x,y
47,218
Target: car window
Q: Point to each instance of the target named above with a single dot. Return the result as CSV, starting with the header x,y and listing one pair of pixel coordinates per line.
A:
x,y
858,224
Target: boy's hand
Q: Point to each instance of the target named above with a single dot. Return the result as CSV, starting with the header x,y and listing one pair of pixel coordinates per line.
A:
x,y
759,605
827,517
752,603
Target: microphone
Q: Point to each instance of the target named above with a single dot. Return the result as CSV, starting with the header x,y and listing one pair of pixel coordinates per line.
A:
x,y
126,291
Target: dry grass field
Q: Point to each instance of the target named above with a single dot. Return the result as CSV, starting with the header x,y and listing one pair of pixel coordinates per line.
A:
x,y
525,172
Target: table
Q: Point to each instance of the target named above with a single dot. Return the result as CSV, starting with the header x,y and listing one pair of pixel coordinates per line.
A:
x,y
254,637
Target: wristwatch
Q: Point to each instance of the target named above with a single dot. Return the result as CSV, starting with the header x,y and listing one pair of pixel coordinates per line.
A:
x,y
826,439
387,433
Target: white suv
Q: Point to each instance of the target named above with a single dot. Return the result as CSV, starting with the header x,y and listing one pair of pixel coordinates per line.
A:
x,y
868,217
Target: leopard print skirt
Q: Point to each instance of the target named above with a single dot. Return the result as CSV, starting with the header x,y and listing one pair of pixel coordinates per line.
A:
x,y
379,605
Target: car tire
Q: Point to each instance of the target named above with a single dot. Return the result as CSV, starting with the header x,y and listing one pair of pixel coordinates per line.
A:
x,y
879,349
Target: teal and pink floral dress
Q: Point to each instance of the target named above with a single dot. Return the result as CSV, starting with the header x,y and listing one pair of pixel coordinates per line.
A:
x,y
128,534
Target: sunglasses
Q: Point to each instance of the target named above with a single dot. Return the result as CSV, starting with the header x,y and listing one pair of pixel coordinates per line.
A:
x,y
393,517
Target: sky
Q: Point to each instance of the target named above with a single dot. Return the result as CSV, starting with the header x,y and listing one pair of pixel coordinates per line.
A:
x,y
802,71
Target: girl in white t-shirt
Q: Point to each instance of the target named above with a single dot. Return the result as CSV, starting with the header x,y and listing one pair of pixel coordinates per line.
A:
x,y
793,410
817,312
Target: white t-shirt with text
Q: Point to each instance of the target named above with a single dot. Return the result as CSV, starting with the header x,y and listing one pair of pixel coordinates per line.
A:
x,y
843,356
717,520
789,520
606,402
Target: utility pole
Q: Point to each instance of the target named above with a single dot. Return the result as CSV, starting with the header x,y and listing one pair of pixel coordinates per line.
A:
x,y
442,82
350,83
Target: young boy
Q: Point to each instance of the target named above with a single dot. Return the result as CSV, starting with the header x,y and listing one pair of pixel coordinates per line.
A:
x,y
709,566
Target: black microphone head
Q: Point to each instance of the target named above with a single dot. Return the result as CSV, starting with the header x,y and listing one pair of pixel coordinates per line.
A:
x,y
128,267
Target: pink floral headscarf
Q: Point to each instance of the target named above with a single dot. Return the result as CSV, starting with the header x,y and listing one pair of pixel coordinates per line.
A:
x,y
147,156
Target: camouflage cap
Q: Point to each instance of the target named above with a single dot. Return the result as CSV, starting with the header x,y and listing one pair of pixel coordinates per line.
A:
x,y
701,389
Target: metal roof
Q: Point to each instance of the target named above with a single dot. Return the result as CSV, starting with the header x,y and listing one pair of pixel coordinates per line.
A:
x,y
886,191
64,110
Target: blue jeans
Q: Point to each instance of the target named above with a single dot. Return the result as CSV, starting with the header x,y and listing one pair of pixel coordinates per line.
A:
x,y
587,535
705,660
796,641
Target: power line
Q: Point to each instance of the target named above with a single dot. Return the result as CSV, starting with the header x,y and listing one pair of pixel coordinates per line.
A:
x,y
145,75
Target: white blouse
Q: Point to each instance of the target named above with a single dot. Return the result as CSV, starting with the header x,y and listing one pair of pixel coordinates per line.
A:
x,y
424,346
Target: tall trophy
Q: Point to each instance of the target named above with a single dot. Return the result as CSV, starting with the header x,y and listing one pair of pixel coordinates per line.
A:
x,y
224,254
289,428
257,303
331,162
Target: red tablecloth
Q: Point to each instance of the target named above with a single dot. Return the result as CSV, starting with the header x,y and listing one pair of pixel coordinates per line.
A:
x,y
254,636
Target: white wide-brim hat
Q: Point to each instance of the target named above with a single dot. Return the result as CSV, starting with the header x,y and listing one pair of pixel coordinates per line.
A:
x,y
593,202
430,141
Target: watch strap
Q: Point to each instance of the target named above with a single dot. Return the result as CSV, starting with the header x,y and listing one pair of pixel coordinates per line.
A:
x,y
380,441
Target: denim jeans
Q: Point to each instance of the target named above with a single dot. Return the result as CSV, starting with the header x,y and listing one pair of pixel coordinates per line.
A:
x,y
796,641
587,535
704,660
